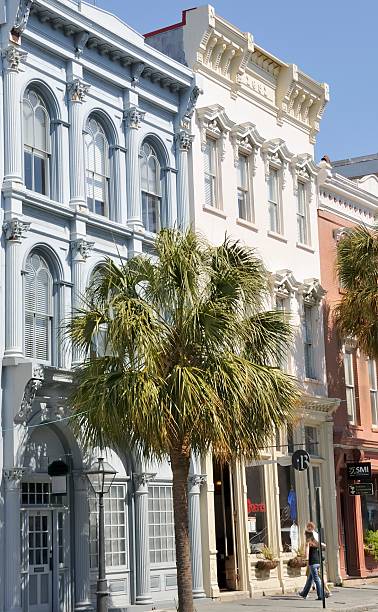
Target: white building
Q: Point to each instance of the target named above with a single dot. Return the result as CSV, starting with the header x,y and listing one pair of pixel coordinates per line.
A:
x,y
85,104
254,178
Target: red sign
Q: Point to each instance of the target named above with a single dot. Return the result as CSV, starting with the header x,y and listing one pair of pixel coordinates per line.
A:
x,y
252,507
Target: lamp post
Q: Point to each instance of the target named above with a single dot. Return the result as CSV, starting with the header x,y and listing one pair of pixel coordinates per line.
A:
x,y
101,476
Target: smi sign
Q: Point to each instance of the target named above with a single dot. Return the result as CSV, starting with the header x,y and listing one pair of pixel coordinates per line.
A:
x,y
359,471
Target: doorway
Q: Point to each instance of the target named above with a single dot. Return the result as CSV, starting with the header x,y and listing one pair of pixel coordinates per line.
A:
x,y
225,527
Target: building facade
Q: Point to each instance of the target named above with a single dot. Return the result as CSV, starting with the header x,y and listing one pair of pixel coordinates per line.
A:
x,y
348,195
90,168
252,176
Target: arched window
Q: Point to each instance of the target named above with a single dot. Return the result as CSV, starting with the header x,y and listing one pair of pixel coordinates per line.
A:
x,y
97,174
38,300
151,188
37,146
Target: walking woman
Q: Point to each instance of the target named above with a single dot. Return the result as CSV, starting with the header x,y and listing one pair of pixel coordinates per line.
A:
x,y
313,564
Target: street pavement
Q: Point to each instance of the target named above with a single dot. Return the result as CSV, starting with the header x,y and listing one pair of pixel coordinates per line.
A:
x,y
343,599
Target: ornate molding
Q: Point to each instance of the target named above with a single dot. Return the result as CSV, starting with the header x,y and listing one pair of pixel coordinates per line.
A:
x,y
184,140
136,72
13,477
312,292
15,229
82,247
142,479
245,139
192,101
13,58
197,480
133,117
81,39
276,154
214,122
77,90
22,16
285,284
32,386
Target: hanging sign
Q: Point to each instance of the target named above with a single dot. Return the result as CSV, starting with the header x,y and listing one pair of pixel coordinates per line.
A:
x,y
58,471
361,488
300,460
359,471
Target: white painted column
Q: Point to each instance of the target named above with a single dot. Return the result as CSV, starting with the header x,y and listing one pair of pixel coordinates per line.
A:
x,y
77,91
12,478
116,200
80,251
81,561
13,59
143,579
14,230
195,483
57,192
183,145
133,118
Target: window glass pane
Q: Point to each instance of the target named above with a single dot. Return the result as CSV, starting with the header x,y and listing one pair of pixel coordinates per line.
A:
x,y
115,528
242,172
97,170
288,508
308,343
38,308
312,440
28,124
209,168
256,508
349,386
40,129
39,175
161,526
28,161
273,185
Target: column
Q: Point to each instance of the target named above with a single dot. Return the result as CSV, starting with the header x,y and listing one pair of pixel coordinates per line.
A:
x,y
12,478
57,192
81,535
13,59
14,230
80,251
77,91
116,213
195,483
142,570
133,118
183,145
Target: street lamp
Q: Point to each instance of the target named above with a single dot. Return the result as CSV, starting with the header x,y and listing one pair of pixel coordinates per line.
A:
x,y
101,476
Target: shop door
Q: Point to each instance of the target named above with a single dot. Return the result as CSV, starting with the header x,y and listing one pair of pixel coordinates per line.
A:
x,y
225,523
40,561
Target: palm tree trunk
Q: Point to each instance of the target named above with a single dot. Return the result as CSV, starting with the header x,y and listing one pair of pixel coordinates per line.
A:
x,y
180,470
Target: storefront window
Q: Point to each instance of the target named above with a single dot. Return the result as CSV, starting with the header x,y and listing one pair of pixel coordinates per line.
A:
x,y
369,507
312,440
256,506
288,508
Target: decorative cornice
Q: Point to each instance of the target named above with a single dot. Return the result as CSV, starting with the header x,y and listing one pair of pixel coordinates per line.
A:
x,y
31,388
22,16
13,58
80,40
133,117
303,168
214,122
15,229
192,101
314,403
184,140
275,153
82,247
245,139
312,291
136,72
285,284
77,90
13,477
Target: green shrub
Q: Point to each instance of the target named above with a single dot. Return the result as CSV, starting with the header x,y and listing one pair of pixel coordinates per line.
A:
x,y
371,543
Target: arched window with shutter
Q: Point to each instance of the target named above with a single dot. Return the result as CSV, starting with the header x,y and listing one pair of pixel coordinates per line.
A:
x,y
97,168
37,142
38,302
151,183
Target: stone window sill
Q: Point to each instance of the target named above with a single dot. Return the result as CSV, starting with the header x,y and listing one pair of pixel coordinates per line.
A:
x,y
247,224
215,211
313,381
276,236
305,247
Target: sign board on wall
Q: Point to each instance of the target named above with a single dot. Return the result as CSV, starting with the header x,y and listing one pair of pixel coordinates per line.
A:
x,y
361,488
359,471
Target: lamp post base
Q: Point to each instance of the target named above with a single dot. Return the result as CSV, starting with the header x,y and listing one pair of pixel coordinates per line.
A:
x,y
102,595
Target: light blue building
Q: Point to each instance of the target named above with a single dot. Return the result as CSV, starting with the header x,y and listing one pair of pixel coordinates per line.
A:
x,y
94,145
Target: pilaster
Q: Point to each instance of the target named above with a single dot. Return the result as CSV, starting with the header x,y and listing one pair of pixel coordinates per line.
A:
x,y
13,60
81,523
183,145
133,118
14,231
143,588
208,537
80,251
77,90
12,477
195,483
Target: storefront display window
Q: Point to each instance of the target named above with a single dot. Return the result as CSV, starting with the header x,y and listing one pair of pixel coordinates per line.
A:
x,y
369,507
288,508
256,507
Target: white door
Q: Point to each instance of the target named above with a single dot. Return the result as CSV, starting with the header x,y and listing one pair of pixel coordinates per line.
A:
x,y
39,561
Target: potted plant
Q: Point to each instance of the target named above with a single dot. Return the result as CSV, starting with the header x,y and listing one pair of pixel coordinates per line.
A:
x,y
269,562
299,560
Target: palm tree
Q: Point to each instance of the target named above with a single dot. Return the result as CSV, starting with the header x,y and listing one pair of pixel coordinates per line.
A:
x,y
356,314
187,365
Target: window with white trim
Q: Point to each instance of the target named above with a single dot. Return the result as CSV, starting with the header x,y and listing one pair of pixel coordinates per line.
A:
x,y
308,341
116,536
274,201
97,171
161,524
244,189
282,306
312,440
38,305
302,214
37,143
210,158
150,173
372,368
350,385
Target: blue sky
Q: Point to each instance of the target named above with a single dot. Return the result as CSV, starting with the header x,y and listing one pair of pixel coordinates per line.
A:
x,y
335,42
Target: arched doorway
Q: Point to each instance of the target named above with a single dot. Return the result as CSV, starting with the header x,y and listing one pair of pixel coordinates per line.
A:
x,y
225,527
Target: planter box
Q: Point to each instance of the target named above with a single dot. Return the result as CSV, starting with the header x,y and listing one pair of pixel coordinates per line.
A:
x,y
266,565
297,562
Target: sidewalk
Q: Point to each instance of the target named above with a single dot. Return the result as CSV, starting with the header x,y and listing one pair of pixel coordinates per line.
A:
x,y
343,599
